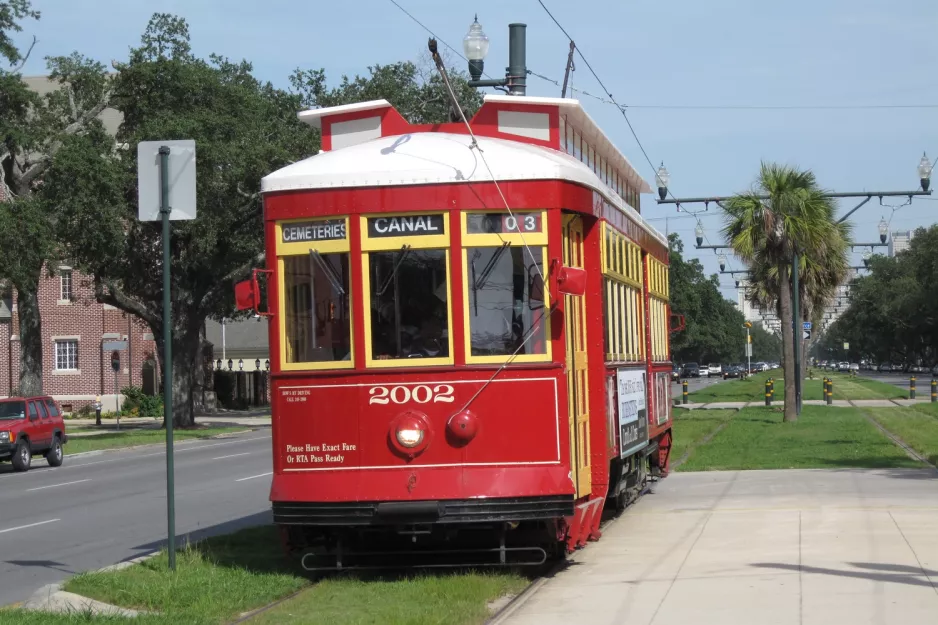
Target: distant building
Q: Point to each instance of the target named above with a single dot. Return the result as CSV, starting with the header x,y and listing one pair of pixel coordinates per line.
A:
x,y
899,241
244,343
75,326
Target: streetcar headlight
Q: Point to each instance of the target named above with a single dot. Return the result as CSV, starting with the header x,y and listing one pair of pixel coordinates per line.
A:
x,y
409,437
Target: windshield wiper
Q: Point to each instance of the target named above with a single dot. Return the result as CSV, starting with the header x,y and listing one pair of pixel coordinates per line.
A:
x,y
405,250
329,271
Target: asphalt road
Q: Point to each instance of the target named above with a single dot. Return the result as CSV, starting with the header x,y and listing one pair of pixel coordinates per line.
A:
x,y
693,384
96,510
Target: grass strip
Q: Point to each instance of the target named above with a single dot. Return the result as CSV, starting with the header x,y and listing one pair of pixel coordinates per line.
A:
x,y
916,428
222,579
130,438
753,388
737,389
822,437
693,426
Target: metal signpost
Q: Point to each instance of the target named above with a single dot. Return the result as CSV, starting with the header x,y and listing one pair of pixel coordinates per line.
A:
x,y
115,347
158,163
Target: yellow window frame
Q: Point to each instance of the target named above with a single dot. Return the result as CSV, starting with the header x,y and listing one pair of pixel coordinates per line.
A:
x,y
303,248
532,239
392,244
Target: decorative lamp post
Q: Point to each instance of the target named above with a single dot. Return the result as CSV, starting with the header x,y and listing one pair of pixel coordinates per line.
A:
x,y
698,231
230,364
240,364
257,364
267,364
866,258
722,259
476,45
663,179
924,171
219,363
883,230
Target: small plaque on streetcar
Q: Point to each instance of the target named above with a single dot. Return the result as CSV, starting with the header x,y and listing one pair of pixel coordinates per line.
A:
x,y
503,223
406,225
322,230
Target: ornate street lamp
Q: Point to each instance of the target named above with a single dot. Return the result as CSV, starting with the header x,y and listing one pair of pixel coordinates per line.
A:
x,y
240,364
476,46
230,363
698,231
663,179
883,230
924,171
257,364
267,364
219,363
722,259
866,258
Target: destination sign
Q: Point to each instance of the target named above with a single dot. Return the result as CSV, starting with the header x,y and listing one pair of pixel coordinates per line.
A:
x,y
503,223
406,225
326,230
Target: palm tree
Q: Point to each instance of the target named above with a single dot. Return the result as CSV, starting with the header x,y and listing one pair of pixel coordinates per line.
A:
x,y
765,233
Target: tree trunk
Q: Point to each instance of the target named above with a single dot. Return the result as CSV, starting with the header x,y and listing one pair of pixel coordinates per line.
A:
x,y
788,351
27,305
185,350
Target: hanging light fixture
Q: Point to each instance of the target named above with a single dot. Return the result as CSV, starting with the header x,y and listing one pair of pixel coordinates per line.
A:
x,y
663,179
924,171
699,232
722,259
883,230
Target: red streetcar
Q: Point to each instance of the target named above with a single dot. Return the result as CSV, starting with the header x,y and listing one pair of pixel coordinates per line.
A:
x,y
469,335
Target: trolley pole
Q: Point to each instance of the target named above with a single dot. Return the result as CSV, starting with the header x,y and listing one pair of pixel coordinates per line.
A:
x,y
168,359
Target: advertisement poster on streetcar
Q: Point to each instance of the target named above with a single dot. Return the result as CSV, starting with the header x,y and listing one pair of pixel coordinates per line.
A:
x,y
662,397
633,410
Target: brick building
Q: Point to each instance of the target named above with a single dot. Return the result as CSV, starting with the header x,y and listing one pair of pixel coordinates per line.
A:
x,y
74,326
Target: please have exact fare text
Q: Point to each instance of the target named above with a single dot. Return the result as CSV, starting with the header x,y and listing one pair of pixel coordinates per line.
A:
x,y
324,453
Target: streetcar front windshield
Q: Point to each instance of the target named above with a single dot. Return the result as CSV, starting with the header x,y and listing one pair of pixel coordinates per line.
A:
x,y
317,323
408,304
506,301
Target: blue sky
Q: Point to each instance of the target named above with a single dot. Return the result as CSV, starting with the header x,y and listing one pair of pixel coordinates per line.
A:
x,y
649,54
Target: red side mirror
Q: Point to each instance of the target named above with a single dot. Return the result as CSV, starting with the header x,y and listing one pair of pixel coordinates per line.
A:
x,y
571,281
676,323
248,294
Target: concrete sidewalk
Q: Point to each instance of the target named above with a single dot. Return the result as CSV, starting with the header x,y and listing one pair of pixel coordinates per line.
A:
x,y
798,547
840,403
146,423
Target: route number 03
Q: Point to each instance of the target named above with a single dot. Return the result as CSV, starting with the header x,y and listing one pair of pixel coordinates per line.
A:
x,y
422,394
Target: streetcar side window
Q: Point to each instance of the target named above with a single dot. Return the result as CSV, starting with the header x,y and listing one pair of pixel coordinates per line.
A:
x,y
506,303
317,322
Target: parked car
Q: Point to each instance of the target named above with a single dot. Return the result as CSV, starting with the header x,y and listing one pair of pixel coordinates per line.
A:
x,y
713,369
844,366
31,426
675,373
885,367
735,371
690,370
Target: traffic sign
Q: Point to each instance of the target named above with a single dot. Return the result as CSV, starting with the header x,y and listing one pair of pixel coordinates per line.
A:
x,y
116,361
806,334
806,325
114,346
181,163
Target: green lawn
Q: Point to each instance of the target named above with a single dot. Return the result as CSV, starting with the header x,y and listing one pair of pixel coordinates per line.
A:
x,y
753,388
219,579
915,426
756,438
114,440
692,426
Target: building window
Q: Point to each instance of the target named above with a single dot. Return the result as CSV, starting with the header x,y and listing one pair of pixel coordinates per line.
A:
x,y
66,355
65,285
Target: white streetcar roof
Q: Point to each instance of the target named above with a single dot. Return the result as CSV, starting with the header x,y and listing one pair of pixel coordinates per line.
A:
x,y
439,158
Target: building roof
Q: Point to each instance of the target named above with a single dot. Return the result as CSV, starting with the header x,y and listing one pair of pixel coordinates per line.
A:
x,y
242,335
439,158
111,118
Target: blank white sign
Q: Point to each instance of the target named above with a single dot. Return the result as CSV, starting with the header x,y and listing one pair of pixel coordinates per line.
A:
x,y
181,180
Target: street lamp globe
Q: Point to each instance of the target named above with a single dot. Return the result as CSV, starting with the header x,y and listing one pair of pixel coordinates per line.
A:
x,y
476,45
722,260
257,364
698,232
866,258
240,364
883,230
924,171
663,179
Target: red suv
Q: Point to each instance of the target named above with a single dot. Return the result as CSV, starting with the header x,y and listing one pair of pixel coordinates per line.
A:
x,y
31,426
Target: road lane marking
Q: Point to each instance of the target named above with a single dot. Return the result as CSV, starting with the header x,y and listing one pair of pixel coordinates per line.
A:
x,y
255,476
57,485
231,456
22,527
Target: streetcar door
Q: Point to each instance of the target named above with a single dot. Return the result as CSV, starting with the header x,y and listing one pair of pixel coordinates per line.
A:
x,y
577,369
